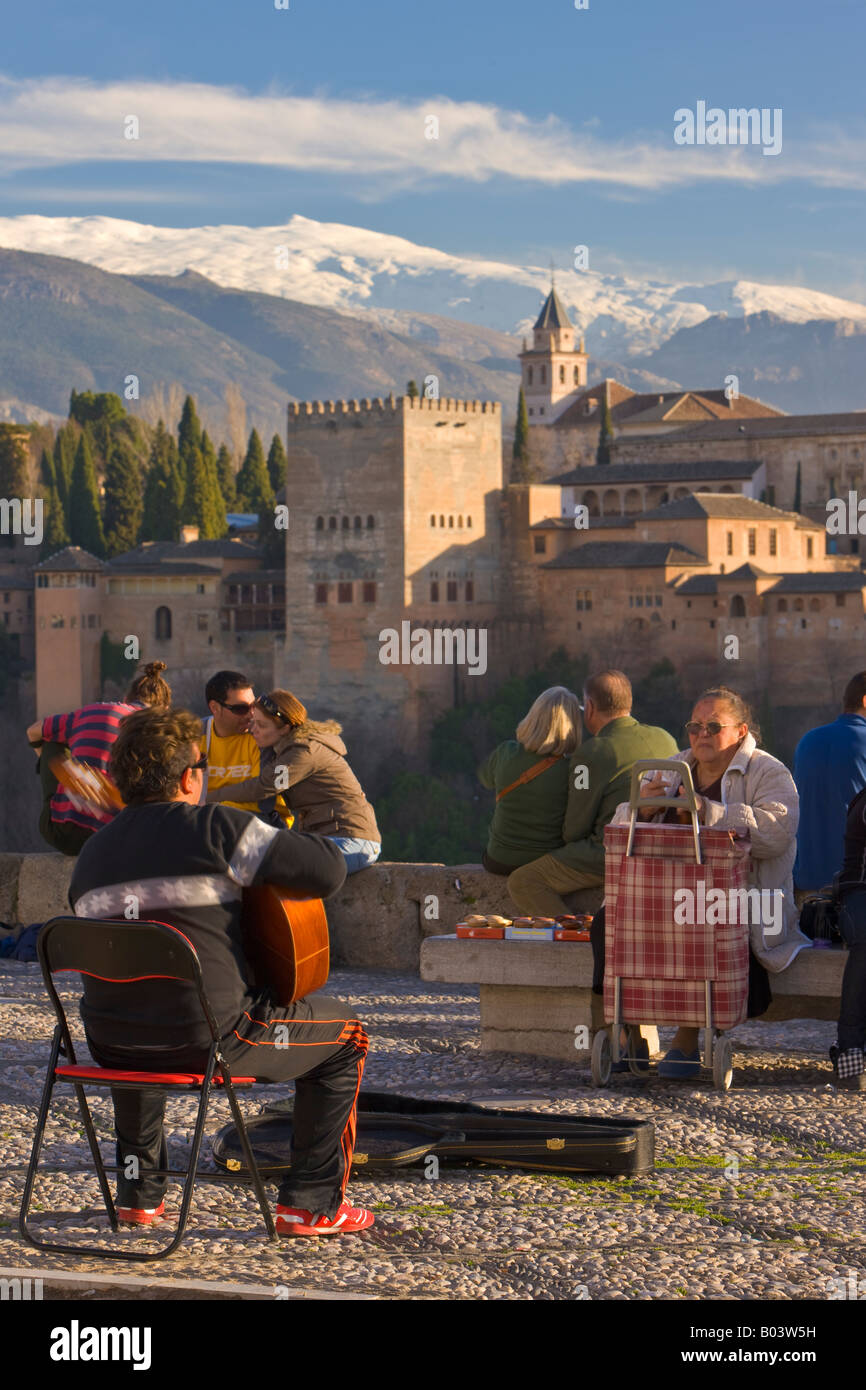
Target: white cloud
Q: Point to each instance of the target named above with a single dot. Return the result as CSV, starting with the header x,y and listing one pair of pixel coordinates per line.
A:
x,y
59,121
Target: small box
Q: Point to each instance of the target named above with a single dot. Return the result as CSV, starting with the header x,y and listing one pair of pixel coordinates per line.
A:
x,y
567,934
485,933
515,933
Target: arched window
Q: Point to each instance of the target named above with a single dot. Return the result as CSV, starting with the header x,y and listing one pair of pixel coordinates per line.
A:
x,y
459,521
633,501
441,521
782,606
450,521
432,520
345,523
814,605
611,502
562,376
320,523
469,521
590,501
371,522
163,624
529,376
738,606
543,375
577,376
357,523
798,605
332,523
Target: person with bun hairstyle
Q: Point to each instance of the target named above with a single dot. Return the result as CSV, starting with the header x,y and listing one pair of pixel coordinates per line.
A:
x,y
88,733
303,761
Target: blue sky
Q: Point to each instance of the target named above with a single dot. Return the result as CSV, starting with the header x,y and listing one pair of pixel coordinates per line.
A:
x,y
556,125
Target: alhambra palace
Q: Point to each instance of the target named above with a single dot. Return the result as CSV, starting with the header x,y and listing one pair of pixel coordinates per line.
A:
x,y
399,508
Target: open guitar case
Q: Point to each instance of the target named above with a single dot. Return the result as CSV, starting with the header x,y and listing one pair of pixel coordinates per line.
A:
x,y
397,1131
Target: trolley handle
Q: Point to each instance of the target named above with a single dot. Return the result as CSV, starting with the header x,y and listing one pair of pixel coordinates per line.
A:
x,y
637,803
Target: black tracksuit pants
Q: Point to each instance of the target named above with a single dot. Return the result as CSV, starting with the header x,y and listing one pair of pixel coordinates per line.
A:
x,y
316,1042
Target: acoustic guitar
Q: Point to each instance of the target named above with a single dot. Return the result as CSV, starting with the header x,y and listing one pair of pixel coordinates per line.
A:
x,y
285,938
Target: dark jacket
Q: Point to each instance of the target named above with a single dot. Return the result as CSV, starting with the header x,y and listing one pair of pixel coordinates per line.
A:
x,y
321,789
528,821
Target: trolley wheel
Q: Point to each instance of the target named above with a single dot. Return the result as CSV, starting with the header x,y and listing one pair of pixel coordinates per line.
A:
x,y
723,1068
601,1060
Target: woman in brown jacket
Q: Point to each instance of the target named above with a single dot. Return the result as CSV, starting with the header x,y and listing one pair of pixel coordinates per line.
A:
x,y
304,762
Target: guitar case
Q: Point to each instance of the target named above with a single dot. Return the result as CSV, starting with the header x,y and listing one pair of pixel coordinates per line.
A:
x,y
397,1131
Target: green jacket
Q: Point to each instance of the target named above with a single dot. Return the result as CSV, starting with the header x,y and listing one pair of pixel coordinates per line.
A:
x,y
528,821
607,758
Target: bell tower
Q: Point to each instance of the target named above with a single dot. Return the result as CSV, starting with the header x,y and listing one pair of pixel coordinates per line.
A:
x,y
554,372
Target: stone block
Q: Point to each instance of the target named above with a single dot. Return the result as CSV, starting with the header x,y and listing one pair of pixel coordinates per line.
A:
x,y
10,865
43,886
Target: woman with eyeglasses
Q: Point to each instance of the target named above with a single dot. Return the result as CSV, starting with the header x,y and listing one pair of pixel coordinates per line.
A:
x,y
739,787
304,762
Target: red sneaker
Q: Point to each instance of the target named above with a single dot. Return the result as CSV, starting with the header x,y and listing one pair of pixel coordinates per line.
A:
x,y
296,1221
140,1216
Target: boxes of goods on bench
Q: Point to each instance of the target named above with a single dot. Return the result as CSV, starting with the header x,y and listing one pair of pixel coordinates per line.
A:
x,y
493,928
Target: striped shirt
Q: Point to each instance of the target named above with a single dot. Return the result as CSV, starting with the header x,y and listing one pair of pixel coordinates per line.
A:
x,y
88,733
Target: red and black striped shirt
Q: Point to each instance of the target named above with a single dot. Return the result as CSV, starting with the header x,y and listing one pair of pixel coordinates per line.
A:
x,y
88,733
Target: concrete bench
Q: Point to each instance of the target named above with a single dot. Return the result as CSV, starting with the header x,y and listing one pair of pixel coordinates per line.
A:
x,y
534,995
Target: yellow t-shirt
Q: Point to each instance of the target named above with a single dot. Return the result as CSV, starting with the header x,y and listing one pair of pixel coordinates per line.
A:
x,y
231,759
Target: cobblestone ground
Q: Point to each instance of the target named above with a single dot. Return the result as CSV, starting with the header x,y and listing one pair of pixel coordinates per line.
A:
x,y
757,1194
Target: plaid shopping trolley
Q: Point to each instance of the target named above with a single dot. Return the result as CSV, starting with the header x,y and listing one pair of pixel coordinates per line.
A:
x,y
676,925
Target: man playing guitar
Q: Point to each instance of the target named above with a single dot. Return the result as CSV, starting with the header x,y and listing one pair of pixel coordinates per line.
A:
x,y
166,857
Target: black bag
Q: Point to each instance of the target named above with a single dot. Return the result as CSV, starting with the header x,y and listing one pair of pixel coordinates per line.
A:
x,y
819,918
397,1131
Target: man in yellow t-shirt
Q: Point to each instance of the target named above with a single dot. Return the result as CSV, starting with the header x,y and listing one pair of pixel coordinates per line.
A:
x,y
232,752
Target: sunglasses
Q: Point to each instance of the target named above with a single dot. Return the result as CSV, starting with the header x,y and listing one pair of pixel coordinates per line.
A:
x,y
242,708
693,728
200,765
267,704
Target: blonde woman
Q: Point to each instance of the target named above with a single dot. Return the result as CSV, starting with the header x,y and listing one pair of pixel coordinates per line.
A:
x,y
304,761
529,774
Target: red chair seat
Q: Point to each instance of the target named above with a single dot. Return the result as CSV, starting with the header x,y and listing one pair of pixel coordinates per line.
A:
x,y
159,1078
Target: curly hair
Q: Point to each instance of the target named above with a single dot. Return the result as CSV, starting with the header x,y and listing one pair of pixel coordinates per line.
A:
x,y
149,688
151,753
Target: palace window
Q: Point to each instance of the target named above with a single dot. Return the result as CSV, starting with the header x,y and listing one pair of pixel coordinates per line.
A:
x,y
451,591
470,591
332,523
774,541
434,591
562,376
540,545
432,521
529,376
729,538
344,593
840,600
753,541
782,606
469,521
162,624
810,546
345,523
371,523
321,593
320,523
543,375
357,524
369,592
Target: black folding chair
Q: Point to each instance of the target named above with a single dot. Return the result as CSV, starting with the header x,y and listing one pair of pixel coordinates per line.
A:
x,y
123,953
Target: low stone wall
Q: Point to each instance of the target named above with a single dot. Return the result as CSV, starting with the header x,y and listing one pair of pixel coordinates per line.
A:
x,y
378,919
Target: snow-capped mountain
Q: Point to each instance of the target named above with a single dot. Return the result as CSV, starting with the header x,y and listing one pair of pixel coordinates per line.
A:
x,y
402,284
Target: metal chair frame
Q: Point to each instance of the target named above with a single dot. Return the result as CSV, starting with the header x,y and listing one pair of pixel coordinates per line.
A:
x,y
79,944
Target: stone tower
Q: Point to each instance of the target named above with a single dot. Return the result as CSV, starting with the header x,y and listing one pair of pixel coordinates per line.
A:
x,y
554,371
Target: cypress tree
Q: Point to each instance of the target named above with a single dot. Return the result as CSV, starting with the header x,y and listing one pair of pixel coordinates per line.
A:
x,y
605,435
226,476
253,483
85,520
217,525
123,500
47,475
521,466
412,390
163,493
188,431
278,464
54,535
196,502
64,461
798,487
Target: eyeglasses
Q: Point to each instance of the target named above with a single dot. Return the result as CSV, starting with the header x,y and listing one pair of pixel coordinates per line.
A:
x,y
267,704
243,707
201,764
693,728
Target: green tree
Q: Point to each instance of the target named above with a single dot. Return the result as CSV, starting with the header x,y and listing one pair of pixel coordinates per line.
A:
x,y
659,698
54,533
217,525
605,435
64,461
88,407
255,493
226,475
521,463
14,462
798,487
412,390
123,500
47,475
278,464
189,430
163,492
85,519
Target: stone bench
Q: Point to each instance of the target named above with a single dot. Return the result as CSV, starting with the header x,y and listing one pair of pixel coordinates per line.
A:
x,y
535,994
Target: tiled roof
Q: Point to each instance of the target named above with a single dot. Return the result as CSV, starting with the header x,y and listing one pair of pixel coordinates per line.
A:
x,y
840,422
625,555
169,567
696,470
156,551
747,571
17,581
698,584
72,557
553,314
653,407
725,505
835,582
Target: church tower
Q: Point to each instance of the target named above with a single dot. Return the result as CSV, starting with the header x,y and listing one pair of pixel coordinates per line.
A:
x,y
554,371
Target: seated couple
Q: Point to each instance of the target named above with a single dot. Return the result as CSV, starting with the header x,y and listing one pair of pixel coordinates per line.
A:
x,y
300,775
740,788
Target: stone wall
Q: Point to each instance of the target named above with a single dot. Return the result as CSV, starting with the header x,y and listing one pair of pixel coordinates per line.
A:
x,y
378,919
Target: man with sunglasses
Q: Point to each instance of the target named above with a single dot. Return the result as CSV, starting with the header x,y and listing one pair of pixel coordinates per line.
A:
x,y
232,752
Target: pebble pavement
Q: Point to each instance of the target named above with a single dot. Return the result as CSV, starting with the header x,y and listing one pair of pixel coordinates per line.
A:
x,y
757,1194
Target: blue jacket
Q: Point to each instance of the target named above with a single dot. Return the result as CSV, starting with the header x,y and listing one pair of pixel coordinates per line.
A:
x,y
829,769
